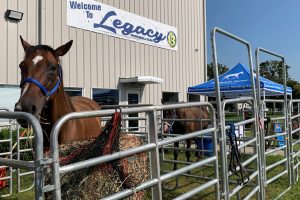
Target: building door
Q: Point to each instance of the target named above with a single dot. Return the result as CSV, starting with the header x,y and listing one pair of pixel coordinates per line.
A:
x,y
133,97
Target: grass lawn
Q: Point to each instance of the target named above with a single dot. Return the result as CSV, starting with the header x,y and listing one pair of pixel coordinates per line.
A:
x,y
21,196
293,193
26,182
186,183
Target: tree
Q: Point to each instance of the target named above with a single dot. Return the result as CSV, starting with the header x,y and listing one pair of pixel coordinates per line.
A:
x,y
210,70
273,71
295,85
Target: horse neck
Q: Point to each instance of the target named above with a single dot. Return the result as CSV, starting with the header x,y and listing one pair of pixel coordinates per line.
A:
x,y
58,106
200,112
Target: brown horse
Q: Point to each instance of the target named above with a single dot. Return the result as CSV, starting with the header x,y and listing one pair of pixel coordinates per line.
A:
x,y
42,94
295,125
184,127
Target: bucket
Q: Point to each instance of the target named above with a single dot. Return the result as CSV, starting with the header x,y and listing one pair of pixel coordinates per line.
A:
x,y
2,175
207,145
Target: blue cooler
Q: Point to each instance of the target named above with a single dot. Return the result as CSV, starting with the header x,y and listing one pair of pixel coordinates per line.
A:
x,y
278,129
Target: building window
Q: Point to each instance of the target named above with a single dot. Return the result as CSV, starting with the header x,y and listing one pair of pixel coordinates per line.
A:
x,y
170,97
105,96
73,91
133,98
9,95
193,97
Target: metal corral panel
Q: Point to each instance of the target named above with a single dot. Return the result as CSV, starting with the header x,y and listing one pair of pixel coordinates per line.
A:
x,y
97,60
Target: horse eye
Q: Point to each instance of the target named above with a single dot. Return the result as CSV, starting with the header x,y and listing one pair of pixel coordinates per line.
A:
x,y
52,68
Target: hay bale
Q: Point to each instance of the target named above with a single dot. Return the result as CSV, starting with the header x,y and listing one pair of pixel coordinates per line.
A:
x,y
100,181
133,169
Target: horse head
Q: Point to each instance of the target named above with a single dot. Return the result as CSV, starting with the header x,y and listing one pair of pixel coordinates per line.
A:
x,y
41,77
168,124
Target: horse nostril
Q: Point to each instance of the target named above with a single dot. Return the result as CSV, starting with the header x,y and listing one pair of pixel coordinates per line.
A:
x,y
28,109
18,107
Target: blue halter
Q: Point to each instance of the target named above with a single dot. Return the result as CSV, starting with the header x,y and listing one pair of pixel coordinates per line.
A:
x,y
44,90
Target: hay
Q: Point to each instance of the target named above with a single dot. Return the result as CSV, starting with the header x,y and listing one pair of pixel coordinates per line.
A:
x,y
133,169
100,181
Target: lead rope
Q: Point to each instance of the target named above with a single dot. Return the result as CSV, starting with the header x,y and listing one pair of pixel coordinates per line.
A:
x,y
235,157
267,142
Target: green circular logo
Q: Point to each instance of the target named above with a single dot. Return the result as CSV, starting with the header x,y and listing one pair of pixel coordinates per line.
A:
x,y
172,39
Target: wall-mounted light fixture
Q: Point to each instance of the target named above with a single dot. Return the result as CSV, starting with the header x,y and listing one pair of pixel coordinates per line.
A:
x,y
14,15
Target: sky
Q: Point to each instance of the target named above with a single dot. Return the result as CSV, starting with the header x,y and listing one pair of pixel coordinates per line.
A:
x,y
270,24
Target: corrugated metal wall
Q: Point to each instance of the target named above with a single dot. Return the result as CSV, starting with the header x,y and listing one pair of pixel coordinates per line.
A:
x,y
11,51
97,60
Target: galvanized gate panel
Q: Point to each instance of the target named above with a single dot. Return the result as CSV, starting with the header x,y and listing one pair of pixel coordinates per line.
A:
x,y
285,132
226,193
152,146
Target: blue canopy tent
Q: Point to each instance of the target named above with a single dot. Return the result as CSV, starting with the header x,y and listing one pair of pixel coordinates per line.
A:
x,y
237,82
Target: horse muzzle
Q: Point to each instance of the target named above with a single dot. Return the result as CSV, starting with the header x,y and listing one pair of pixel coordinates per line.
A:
x,y
167,127
28,109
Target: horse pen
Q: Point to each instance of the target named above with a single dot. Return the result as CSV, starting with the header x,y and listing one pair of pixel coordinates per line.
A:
x,y
56,145
202,175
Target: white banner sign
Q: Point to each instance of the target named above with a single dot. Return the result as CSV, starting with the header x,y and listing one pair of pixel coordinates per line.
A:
x,y
98,17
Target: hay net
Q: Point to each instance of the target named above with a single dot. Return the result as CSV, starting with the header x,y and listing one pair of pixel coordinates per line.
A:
x,y
102,145
108,178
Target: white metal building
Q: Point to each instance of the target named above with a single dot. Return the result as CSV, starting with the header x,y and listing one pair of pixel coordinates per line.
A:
x,y
102,66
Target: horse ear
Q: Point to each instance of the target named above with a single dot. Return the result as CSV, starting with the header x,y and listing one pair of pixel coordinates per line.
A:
x,y
62,50
25,44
